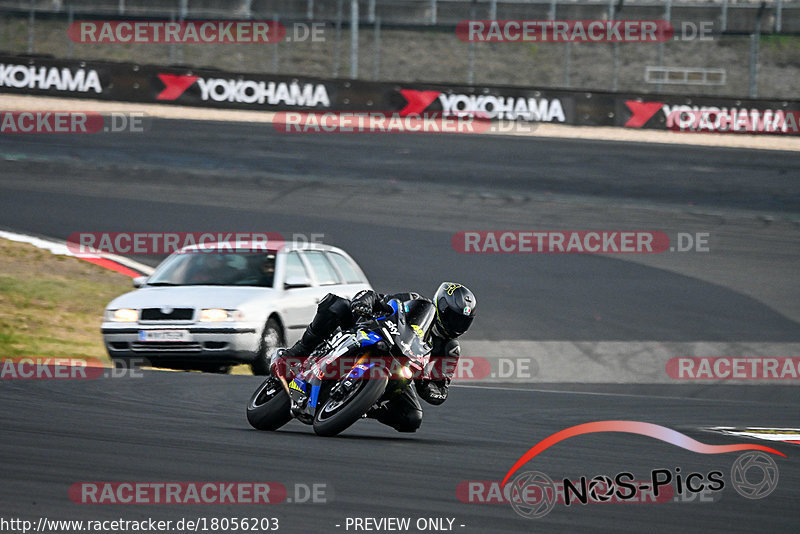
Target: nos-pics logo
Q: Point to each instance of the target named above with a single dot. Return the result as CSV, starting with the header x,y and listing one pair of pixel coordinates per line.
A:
x,y
533,494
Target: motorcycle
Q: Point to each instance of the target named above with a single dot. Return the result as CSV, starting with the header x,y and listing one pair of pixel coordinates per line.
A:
x,y
356,370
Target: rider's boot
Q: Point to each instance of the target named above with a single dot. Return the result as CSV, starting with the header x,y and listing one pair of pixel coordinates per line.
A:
x,y
376,412
305,346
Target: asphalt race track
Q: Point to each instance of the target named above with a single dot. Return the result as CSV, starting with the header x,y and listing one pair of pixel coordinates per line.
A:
x,y
365,195
394,202
190,427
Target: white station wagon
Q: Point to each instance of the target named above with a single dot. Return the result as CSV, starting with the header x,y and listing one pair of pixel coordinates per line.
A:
x,y
213,307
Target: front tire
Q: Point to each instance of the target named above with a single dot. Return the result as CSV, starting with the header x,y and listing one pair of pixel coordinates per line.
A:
x,y
334,416
271,339
269,406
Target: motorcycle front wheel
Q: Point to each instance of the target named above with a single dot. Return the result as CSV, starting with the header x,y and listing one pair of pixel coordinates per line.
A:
x,y
336,415
268,408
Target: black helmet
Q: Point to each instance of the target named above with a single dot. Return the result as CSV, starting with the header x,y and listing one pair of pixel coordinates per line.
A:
x,y
455,308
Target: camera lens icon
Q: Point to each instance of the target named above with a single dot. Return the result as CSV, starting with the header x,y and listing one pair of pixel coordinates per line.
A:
x,y
532,494
754,475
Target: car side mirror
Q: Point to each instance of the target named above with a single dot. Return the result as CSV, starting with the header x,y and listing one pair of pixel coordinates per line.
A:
x,y
294,282
139,281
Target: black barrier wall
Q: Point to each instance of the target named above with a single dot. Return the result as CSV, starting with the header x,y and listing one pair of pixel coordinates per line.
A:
x,y
127,82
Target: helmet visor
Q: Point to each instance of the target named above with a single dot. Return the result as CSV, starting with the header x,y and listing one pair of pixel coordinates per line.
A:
x,y
454,322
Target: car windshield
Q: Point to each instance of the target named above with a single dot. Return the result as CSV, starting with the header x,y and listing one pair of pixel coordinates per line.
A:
x,y
237,268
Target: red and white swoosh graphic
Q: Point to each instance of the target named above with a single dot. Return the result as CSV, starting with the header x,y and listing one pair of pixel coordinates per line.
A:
x,y
633,427
642,112
175,85
417,101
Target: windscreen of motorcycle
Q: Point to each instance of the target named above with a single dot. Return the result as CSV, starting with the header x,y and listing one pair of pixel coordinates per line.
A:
x,y
420,315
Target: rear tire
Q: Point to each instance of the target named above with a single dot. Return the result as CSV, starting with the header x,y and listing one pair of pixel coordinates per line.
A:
x,y
330,419
271,339
269,406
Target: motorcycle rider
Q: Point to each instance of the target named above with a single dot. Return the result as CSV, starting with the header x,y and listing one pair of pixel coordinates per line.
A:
x,y
455,310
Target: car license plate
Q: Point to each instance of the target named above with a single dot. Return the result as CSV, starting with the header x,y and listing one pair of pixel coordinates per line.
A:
x,y
164,335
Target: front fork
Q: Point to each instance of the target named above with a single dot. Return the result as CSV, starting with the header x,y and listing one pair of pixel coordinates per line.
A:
x,y
295,401
299,403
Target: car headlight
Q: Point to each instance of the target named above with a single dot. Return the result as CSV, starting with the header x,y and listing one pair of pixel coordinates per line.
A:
x,y
123,315
215,315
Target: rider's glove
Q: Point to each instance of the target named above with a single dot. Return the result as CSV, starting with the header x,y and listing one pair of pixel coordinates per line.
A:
x,y
432,391
360,309
362,303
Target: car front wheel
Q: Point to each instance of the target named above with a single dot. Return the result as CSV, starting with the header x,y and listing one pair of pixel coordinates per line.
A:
x,y
271,339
